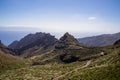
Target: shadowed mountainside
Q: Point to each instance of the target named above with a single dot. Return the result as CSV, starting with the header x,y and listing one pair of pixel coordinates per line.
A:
x,y
33,44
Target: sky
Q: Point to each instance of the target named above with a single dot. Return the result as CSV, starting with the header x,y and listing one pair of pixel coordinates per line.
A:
x,y
59,16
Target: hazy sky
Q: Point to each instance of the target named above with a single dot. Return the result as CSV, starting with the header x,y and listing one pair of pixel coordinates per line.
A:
x,y
79,17
62,15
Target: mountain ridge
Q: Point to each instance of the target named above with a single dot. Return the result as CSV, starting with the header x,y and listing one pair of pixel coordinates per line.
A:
x,y
100,40
69,60
33,44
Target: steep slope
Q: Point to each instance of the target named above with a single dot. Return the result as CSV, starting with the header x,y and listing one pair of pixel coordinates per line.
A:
x,y
7,60
14,44
117,43
33,39
5,49
34,44
101,40
67,40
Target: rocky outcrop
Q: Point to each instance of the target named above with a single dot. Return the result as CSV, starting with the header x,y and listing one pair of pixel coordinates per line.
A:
x,y
65,41
117,43
67,46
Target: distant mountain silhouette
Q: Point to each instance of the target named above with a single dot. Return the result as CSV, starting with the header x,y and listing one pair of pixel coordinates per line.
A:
x,y
33,42
101,40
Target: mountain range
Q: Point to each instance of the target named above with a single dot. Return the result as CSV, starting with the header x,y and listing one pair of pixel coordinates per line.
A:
x,y
100,40
44,43
39,55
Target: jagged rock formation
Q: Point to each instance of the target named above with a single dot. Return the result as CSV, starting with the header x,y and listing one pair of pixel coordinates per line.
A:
x,y
65,51
70,50
67,46
34,39
34,44
66,41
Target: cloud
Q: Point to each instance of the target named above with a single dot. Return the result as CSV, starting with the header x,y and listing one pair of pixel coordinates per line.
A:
x,y
92,18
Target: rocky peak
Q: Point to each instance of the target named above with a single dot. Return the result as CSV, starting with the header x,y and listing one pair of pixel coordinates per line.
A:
x,y
69,39
66,40
65,36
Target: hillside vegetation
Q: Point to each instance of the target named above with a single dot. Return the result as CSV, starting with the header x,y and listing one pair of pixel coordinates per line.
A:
x,y
9,61
106,67
70,61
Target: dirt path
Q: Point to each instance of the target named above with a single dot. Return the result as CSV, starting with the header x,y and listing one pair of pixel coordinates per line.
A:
x,y
86,65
